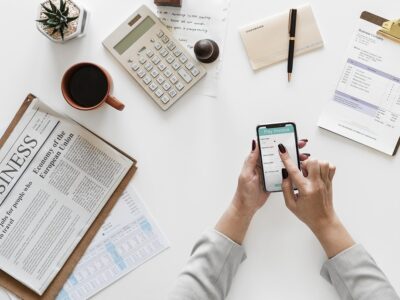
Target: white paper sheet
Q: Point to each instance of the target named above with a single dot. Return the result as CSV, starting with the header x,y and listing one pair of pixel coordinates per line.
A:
x,y
128,238
194,21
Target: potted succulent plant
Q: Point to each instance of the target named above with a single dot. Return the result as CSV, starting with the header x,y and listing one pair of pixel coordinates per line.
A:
x,y
61,20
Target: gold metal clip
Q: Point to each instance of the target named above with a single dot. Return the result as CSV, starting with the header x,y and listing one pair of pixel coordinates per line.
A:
x,y
391,30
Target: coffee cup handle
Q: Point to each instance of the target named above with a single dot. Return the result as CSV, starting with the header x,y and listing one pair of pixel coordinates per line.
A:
x,y
114,102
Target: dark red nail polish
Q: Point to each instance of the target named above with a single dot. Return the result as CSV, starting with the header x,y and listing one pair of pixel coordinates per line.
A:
x,y
284,174
307,154
282,148
253,145
304,140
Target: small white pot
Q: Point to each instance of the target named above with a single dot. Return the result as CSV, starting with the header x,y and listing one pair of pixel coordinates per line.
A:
x,y
75,29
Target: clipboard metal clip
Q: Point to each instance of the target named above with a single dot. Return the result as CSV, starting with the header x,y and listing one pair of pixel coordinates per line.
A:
x,y
391,30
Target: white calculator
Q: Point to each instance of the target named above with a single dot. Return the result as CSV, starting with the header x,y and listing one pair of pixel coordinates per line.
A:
x,y
158,61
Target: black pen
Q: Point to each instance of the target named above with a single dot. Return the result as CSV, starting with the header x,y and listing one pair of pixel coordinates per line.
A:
x,y
292,35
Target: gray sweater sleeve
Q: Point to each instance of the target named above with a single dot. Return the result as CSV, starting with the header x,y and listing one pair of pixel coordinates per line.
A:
x,y
356,276
210,270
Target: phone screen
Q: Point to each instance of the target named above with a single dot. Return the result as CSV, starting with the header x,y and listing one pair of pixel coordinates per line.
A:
x,y
269,137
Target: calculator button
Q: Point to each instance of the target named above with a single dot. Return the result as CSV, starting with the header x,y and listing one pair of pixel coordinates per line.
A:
x,y
167,72
155,59
166,86
159,92
154,73
160,33
179,86
161,66
171,46
164,52
157,46
147,79
148,66
195,72
185,75
153,86
165,39
183,59
160,79
142,60
165,99
173,79
135,67
177,52
149,53
170,59
172,93
176,65
189,66
141,73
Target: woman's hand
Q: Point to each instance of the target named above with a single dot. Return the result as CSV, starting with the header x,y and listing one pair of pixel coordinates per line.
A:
x,y
313,204
250,193
249,197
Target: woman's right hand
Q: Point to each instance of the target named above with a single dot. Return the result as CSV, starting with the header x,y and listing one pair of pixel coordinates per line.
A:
x,y
313,203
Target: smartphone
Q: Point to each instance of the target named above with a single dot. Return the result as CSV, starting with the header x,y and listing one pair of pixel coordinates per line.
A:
x,y
269,137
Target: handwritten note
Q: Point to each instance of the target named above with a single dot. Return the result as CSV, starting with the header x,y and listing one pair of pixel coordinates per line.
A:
x,y
194,21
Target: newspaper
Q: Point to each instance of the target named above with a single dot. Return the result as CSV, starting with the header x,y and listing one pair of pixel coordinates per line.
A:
x,y
128,238
55,177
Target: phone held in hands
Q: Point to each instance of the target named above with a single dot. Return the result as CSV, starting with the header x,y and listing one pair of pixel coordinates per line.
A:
x,y
269,137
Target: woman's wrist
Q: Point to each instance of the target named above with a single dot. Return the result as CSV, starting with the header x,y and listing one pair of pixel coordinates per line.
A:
x,y
333,236
235,221
239,208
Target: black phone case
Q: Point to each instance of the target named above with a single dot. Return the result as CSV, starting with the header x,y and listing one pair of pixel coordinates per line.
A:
x,y
275,125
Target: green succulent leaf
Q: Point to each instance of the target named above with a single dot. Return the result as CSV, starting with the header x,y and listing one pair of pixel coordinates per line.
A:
x,y
62,5
42,21
46,8
62,34
72,19
53,22
53,7
50,15
66,12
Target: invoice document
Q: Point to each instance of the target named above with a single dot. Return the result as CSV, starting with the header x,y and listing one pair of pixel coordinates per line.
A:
x,y
366,102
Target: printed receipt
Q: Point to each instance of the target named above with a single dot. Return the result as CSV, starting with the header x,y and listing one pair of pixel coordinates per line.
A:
x,y
194,21
128,238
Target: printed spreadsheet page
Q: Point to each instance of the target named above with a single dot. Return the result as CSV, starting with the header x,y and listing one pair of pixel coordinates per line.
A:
x,y
366,102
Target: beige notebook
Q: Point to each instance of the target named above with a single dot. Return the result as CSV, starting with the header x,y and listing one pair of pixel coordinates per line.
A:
x,y
267,40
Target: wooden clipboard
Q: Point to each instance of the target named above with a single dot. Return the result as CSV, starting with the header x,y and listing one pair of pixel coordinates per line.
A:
x,y
55,286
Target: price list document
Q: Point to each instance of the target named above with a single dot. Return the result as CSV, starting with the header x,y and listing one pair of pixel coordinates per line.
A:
x,y
366,103
128,238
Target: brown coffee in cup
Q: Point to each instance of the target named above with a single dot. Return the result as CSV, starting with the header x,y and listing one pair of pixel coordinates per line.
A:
x,y
86,86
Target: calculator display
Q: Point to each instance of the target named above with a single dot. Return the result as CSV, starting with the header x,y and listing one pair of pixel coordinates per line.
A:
x,y
134,35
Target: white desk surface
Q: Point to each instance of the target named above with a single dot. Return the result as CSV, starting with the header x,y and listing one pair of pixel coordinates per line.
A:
x,y
189,157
